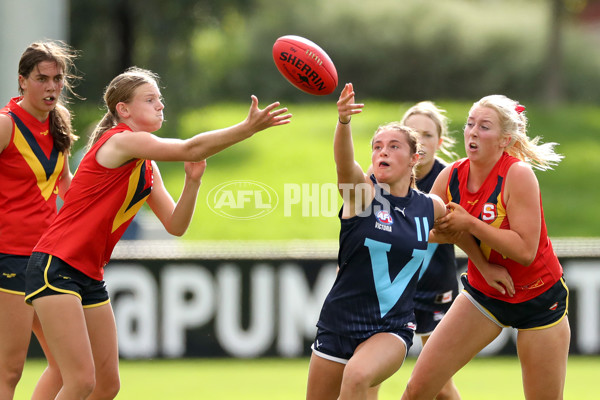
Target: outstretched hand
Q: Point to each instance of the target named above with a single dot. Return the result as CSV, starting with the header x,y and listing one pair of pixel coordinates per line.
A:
x,y
346,105
259,120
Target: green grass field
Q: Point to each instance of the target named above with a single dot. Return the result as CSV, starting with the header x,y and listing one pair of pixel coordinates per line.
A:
x,y
493,378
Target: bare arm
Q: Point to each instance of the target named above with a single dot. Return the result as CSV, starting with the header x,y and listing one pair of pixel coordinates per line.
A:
x,y
64,181
176,217
6,126
496,276
125,146
520,242
349,172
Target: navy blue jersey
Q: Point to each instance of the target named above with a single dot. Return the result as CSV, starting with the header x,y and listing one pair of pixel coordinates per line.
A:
x,y
381,252
438,285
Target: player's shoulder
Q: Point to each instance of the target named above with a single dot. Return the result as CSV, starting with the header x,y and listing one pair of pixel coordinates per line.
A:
x,y
521,174
520,170
6,127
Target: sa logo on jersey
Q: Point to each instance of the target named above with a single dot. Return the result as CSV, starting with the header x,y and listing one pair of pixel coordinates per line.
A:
x,y
489,213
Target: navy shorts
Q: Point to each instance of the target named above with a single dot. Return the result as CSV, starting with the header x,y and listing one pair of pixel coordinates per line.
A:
x,y
543,311
427,320
48,275
12,273
338,348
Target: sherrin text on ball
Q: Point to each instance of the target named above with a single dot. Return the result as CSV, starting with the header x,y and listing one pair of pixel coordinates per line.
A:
x,y
305,65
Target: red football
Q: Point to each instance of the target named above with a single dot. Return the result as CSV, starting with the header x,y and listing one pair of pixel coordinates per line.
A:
x,y
305,65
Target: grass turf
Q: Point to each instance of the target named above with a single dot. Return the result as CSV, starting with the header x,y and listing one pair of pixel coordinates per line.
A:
x,y
491,378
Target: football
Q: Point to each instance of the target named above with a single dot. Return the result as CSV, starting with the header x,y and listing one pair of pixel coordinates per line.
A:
x,y
305,65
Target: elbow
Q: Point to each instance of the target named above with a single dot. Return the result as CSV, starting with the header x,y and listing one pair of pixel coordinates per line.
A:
x,y
194,152
177,232
527,258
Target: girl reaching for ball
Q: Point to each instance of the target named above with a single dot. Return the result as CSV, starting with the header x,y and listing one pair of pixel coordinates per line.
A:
x,y
367,323
116,176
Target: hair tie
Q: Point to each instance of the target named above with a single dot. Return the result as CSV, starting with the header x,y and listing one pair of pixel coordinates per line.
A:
x,y
519,108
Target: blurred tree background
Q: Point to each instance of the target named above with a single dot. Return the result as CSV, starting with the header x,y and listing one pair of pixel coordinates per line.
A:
x,y
213,54
208,51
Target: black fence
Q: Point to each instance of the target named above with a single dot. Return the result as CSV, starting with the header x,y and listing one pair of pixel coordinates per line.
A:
x,y
252,299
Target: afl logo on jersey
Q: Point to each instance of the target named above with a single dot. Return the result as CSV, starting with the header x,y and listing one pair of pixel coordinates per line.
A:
x,y
384,221
384,217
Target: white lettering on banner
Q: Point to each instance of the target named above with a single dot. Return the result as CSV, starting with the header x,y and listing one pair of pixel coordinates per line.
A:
x,y
316,200
299,308
134,308
281,305
584,276
234,339
188,301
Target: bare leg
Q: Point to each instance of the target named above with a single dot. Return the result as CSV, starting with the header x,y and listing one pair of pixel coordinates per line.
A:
x,y
374,360
65,330
50,381
324,379
543,354
103,337
15,333
373,392
449,390
463,332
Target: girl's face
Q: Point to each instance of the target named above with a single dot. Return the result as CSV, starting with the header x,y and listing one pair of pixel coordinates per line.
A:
x,y
429,137
41,89
145,110
391,157
483,135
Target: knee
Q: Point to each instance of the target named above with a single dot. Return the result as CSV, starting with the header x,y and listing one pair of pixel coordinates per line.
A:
x,y
356,379
447,393
79,385
107,388
83,387
11,375
411,391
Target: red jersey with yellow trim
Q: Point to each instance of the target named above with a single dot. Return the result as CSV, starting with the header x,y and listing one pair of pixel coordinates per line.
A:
x,y
99,206
30,167
488,205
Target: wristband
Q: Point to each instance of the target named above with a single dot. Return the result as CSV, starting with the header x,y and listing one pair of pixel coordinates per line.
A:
x,y
344,123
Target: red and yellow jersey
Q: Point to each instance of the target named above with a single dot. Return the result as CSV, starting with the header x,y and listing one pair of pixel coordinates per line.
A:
x,y
488,205
99,206
30,167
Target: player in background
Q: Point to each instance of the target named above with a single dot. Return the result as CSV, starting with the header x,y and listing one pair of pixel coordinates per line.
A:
x,y
494,196
35,140
115,177
438,286
366,324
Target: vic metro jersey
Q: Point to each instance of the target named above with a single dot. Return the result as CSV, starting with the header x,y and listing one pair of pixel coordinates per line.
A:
x,y
30,167
381,252
99,206
488,205
438,285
